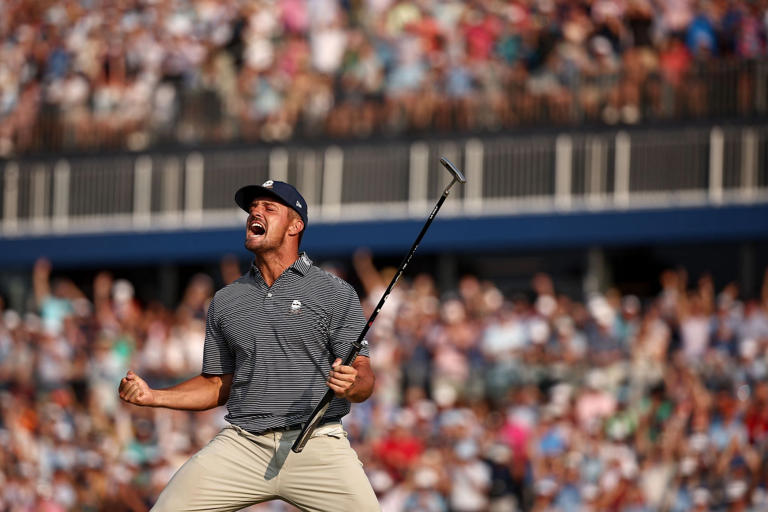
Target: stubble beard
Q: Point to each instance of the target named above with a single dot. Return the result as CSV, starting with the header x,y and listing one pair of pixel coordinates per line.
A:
x,y
257,247
263,246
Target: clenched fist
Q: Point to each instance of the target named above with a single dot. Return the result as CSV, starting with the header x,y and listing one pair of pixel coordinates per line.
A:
x,y
134,390
341,378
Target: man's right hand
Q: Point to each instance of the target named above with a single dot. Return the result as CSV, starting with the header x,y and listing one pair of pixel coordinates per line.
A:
x,y
134,390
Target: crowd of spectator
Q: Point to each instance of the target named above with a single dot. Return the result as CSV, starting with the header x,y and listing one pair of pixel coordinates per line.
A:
x,y
483,402
129,73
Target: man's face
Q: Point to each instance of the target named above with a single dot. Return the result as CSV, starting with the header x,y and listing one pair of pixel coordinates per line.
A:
x,y
268,225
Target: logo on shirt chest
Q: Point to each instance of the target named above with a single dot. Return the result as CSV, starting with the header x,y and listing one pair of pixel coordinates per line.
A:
x,y
296,307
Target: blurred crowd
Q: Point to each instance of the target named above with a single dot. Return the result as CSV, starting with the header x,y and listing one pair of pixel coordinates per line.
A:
x,y
484,402
129,73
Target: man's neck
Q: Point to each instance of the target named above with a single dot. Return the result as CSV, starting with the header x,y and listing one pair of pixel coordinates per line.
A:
x,y
272,265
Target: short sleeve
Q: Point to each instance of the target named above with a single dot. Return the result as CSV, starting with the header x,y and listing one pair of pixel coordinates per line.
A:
x,y
217,357
346,323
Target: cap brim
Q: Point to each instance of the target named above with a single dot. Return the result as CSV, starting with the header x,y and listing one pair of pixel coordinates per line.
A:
x,y
245,196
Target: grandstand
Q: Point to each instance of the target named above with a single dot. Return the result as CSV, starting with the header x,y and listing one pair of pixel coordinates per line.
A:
x,y
585,326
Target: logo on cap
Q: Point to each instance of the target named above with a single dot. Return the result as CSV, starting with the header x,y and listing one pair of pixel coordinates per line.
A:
x,y
268,184
298,204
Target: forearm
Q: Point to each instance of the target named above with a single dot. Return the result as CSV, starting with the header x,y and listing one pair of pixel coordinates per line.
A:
x,y
42,289
196,394
364,381
362,389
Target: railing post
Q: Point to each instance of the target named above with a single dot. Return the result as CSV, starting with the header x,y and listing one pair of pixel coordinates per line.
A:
x,y
308,178
563,171
61,175
171,181
622,163
716,143
142,192
278,164
749,158
38,197
596,169
418,178
333,170
473,151
193,189
11,198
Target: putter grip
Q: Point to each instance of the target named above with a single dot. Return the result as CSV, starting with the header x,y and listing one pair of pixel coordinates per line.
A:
x,y
317,415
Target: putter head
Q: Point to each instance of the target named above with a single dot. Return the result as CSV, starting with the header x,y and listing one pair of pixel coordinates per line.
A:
x,y
457,175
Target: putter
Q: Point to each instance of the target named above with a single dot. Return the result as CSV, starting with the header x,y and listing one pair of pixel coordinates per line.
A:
x,y
322,407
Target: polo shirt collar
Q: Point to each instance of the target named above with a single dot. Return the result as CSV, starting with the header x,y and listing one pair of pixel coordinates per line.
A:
x,y
301,265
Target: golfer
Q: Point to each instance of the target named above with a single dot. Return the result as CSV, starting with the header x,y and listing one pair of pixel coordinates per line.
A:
x,y
274,340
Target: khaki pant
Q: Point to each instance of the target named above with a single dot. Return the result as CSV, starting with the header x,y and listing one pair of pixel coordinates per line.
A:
x,y
237,469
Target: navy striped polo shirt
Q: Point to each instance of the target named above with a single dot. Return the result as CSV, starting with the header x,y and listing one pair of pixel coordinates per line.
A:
x,y
279,341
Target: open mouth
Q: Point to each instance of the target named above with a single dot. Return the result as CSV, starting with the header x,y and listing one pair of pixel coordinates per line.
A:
x,y
256,228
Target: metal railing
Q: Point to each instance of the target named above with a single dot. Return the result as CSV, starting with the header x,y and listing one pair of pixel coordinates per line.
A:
x,y
506,175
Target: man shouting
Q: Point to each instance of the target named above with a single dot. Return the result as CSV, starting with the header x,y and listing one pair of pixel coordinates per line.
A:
x,y
274,340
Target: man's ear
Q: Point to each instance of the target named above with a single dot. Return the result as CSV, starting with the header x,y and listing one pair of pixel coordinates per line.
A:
x,y
296,226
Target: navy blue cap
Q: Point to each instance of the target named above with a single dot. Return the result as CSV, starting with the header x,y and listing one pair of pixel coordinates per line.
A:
x,y
283,192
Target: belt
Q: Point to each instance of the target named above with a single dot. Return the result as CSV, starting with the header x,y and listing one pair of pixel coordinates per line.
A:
x,y
295,426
